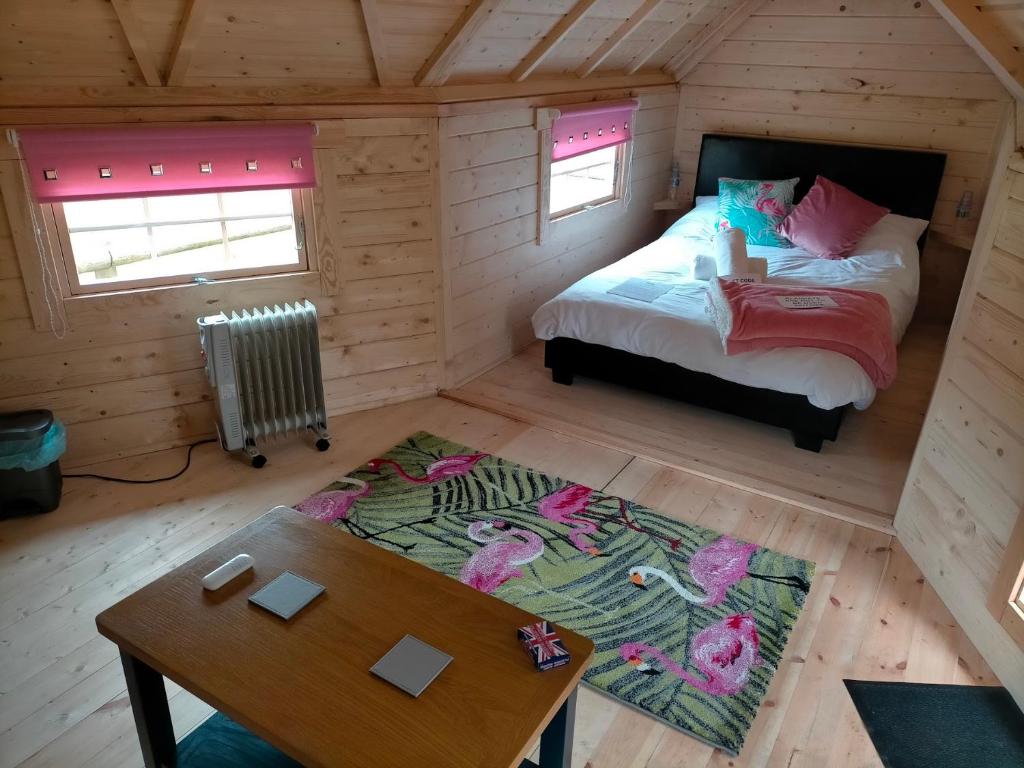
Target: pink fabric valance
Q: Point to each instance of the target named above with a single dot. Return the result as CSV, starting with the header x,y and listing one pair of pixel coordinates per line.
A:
x,y
578,131
95,163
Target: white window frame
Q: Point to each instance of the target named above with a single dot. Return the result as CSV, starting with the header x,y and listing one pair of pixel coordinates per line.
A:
x,y
616,194
543,119
1006,598
302,206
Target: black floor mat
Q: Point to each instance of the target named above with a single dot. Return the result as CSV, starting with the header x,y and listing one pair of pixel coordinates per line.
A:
x,y
914,725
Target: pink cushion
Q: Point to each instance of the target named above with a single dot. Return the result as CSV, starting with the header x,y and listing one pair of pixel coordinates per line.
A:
x,y
830,220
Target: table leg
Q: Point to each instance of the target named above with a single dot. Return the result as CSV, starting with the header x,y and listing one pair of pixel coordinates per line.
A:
x,y
152,715
556,741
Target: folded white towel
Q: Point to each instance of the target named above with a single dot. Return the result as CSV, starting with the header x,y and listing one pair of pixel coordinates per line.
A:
x,y
705,267
731,252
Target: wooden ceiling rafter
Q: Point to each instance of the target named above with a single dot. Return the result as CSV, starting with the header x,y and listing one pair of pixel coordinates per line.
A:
x,y
31,105
378,45
667,32
135,35
982,34
442,62
625,28
547,44
708,39
187,40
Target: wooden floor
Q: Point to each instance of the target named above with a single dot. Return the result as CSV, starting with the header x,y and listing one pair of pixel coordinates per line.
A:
x,y
869,615
859,477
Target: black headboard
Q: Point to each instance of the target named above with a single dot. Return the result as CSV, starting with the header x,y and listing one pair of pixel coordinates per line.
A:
x,y
904,181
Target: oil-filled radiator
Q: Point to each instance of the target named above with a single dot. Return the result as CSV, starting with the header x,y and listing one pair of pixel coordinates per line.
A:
x,y
264,367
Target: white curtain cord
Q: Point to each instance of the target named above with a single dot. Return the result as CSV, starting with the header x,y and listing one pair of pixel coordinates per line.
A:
x,y
628,181
51,291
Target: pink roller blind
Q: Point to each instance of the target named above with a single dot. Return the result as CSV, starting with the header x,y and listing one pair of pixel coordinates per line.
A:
x,y
578,131
138,161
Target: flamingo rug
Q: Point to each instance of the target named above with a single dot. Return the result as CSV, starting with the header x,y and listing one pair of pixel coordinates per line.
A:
x,y
689,624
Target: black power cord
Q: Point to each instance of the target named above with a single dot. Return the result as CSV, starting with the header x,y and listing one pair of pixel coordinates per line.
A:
x,y
179,473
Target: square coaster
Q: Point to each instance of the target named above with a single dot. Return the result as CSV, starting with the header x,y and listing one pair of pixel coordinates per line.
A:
x,y
286,595
411,665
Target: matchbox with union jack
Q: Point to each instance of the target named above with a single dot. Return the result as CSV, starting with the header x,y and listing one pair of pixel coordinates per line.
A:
x,y
543,645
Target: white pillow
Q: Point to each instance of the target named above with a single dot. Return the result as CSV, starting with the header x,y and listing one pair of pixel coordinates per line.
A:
x,y
894,233
894,224
699,223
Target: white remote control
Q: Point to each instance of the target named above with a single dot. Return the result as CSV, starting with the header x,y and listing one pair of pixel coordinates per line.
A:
x,y
236,566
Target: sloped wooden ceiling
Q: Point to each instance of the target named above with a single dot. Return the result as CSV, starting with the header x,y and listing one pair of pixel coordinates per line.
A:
x,y
354,43
995,30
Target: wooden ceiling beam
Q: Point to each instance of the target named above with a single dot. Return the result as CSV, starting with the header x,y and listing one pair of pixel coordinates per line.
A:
x,y
135,35
982,34
608,46
378,46
662,38
187,40
24,104
551,39
708,39
442,62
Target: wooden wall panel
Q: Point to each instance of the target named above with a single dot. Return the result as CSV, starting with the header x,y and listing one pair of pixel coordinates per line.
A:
x,y
127,377
965,490
888,74
495,274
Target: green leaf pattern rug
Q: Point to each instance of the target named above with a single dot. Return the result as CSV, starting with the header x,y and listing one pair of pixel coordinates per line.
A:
x,y
689,625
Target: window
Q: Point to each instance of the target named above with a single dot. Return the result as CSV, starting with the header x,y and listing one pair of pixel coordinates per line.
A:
x,y
586,180
1006,600
172,239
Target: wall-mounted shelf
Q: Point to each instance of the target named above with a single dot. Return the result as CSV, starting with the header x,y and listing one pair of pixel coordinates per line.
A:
x,y
671,205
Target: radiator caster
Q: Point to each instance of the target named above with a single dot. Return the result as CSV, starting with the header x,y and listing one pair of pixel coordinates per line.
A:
x,y
323,444
258,461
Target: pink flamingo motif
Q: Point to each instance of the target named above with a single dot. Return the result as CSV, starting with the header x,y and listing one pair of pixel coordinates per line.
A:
x,y
724,652
768,205
495,563
442,469
714,568
328,506
566,506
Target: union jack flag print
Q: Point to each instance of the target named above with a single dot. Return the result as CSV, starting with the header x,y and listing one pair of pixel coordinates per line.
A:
x,y
543,645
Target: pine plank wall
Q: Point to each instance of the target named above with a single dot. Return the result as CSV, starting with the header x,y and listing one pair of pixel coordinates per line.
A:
x,y
127,377
426,225
877,72
496,274
965,491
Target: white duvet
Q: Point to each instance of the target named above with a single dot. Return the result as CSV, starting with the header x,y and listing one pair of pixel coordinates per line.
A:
x,y
674,327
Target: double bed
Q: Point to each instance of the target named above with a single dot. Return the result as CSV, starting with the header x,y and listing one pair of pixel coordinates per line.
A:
x,y
671,347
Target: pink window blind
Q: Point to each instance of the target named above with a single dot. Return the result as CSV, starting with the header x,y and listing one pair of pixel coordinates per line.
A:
x,y
67,164
579,131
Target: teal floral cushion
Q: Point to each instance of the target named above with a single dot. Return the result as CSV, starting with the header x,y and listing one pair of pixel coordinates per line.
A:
x,y
757,207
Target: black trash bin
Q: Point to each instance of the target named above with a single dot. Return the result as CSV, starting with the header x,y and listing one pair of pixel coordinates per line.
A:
x,y
31,443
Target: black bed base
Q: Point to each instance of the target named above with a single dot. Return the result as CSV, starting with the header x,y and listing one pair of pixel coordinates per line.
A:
x,y
810,425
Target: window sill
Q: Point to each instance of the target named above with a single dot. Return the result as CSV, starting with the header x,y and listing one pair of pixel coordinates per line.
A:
x,y
609,206
227,282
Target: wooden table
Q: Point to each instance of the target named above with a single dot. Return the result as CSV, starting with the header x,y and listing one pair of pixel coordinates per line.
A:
x,y
304,685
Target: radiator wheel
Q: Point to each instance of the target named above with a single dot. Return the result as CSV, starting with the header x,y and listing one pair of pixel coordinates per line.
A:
x,y
323,444
258,460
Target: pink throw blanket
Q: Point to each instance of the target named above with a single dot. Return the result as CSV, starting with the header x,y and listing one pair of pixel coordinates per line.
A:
x,y
750,317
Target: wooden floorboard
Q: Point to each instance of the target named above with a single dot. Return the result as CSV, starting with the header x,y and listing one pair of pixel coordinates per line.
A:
x,y
63,702
858,478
